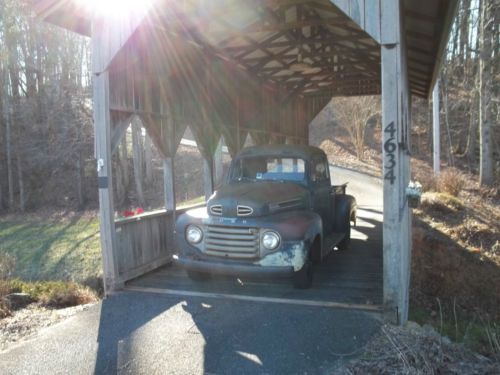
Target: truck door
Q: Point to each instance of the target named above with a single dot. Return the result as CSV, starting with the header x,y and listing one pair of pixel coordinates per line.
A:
x,y
321,188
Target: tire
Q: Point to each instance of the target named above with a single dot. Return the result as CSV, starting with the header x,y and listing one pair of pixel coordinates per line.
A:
x,y
197,276
302,279
346,241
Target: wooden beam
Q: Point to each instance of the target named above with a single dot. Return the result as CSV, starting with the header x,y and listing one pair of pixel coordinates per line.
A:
x,y
420,16
208,177
169,185
396,161
334,21
420,36
436,158
115,33
327,40
336,75
102,121
119,130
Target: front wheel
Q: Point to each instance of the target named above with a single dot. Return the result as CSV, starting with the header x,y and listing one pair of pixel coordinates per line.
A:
x,y
302,279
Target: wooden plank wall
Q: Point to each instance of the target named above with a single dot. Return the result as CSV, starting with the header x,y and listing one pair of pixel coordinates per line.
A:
x,y
143,243
210,95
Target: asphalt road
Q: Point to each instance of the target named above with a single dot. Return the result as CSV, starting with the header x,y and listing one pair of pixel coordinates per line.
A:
x,y
368,190
142,333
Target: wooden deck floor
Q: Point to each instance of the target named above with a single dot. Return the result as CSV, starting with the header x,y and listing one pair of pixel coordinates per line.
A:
x,y
345,277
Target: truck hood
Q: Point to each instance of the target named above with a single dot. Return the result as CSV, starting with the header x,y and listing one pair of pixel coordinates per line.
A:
x,y
258,198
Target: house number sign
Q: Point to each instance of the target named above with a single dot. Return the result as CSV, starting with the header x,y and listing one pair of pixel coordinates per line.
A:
x,y
390,147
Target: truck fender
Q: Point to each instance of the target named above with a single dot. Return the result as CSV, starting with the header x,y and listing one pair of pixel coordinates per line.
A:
x,y
345,206
304,226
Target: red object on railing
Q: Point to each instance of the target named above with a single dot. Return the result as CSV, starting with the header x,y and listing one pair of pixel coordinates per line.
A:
x,y
133,212
128,213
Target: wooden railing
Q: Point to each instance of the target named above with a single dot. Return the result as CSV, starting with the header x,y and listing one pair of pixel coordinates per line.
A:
x,y
145,242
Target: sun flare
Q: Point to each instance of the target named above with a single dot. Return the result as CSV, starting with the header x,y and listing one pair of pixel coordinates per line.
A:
x,y
115,8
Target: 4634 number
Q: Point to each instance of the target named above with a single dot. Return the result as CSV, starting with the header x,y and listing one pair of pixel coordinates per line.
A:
x,y
390,147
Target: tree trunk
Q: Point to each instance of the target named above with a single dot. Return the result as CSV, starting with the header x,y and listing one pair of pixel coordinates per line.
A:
x,y
119,186
124,161
464,32
20,181
470,149
485,84
8,145
447,122
137,160
79,180
148,158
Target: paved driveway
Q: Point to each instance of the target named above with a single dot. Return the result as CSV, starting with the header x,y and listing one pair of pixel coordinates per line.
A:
x,y
143,333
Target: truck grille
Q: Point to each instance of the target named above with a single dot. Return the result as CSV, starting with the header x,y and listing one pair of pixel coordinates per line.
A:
x,y
232,242
216,209
244,210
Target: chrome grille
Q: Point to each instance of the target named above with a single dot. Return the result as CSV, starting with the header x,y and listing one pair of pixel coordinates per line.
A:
x,y
244,210
216,209
232,242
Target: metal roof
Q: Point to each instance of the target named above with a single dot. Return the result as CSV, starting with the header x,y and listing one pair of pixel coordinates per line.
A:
x,y
309,47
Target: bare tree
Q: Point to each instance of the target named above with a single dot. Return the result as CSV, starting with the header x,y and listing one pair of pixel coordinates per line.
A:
x,y
353,115
137,158
148,158
485,83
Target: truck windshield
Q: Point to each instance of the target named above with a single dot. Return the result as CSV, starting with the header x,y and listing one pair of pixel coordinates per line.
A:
x,y
268,168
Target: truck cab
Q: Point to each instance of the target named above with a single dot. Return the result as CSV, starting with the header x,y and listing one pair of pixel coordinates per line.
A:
x,y
276,214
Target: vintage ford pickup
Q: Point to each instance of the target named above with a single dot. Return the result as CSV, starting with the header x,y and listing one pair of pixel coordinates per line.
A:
x,y
276,214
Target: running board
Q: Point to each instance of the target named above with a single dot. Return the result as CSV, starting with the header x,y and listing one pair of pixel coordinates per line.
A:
x,y
239,297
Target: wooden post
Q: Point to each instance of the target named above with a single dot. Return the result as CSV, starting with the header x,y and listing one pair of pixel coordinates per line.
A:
x,y
218,164
208,175
396,161
436,145
168,184
102,123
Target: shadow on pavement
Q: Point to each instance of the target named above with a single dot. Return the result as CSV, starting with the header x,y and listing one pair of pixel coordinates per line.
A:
x,y
147,333
121,315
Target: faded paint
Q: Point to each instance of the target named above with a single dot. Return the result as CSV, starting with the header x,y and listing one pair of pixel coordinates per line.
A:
x,y
294,256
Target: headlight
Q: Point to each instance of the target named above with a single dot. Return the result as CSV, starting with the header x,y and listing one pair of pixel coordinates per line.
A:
x,y
270,240
194,234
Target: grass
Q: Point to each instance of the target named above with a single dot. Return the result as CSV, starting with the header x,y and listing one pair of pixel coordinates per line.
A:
x,y
52,249
478,334
57,294
51,294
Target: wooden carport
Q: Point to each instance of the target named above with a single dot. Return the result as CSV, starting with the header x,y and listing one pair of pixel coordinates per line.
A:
x,y
266,67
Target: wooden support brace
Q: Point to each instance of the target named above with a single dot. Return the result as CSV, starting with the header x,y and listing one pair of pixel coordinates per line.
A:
x,y
208,177
168,184
118,132
102,121
436,157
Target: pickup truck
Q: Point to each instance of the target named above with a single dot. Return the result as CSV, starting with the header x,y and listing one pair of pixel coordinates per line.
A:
x,y
276,214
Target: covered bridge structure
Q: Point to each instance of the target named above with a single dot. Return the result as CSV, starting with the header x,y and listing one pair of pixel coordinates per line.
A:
x,y
228,68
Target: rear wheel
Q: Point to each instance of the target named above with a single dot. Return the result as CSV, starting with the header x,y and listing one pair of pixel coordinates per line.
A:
x,y
346,228
198,276
302,279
